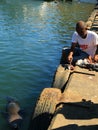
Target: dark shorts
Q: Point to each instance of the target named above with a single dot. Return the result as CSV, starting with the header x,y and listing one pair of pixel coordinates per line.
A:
x,y
78,54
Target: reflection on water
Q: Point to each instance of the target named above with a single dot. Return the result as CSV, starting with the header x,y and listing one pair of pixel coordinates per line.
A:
x,y
32,34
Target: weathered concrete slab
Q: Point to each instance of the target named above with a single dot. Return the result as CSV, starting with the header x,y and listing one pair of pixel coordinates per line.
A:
x,y
76,112
61,77
60,122
92,21
83,83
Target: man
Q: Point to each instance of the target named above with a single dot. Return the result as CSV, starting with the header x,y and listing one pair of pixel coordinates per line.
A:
x,y
87,40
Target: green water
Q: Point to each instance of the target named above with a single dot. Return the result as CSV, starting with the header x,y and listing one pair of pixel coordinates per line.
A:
x,y
32,34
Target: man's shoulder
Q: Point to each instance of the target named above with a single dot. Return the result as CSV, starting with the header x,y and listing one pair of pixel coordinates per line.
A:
x,y
75,33
91,32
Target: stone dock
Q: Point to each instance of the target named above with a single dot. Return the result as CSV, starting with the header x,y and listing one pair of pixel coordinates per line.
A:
x,y
78,104
92,22
79,100
72,101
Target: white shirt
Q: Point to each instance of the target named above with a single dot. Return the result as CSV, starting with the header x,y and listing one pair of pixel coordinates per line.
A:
x,y
88,44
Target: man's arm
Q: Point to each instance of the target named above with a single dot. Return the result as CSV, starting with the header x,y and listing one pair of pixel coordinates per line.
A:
x,y
70,57
96,50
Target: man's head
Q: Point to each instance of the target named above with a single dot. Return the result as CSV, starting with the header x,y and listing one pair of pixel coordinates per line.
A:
x,y
81,29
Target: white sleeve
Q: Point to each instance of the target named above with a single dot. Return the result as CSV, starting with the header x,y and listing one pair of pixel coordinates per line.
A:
x,y
95,39
74,38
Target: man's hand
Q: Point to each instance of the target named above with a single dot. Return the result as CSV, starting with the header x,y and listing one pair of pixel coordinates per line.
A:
x,y
70,57
90,60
